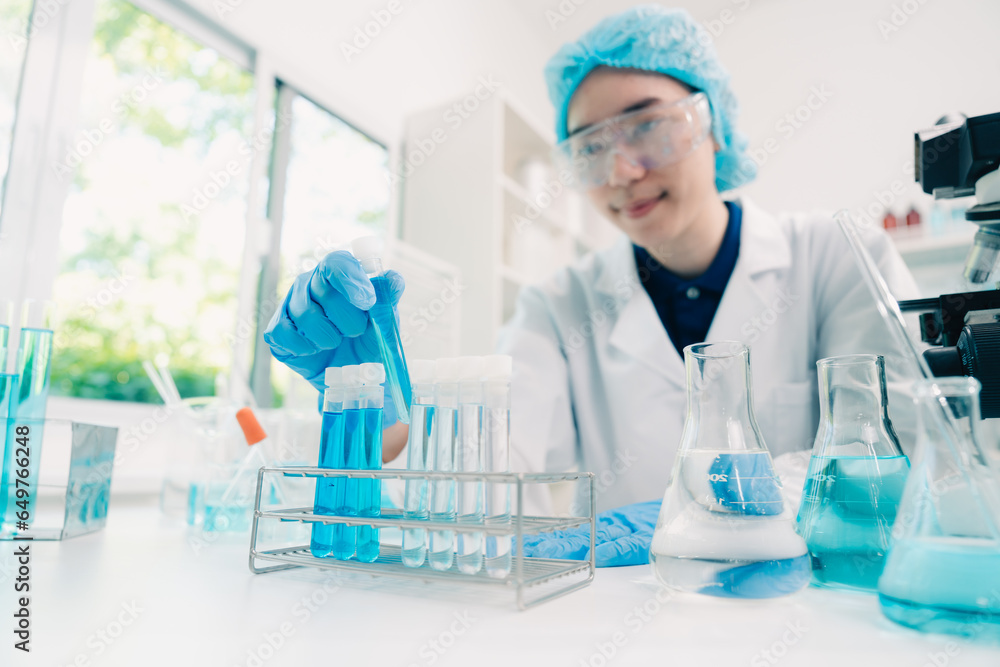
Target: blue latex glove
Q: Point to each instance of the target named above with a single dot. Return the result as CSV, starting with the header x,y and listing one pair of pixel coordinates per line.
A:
x,y
623,538
767,579
324,321
745,482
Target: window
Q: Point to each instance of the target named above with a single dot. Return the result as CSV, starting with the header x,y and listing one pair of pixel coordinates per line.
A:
x,y
330,185
153,228
14,16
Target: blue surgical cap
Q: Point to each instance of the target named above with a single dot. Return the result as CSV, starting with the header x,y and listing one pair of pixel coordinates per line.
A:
x,y
668,41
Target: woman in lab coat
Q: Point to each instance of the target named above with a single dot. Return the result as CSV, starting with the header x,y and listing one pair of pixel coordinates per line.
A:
x,y
646,121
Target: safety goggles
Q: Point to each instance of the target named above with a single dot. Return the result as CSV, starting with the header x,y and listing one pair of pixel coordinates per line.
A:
x,y
652,137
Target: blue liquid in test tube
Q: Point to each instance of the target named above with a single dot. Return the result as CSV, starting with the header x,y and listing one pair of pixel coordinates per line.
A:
x,y
8,446
331,455
368,250
345,538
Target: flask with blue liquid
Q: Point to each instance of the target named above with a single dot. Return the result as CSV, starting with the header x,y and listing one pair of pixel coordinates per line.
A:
x,y
942,573
856,475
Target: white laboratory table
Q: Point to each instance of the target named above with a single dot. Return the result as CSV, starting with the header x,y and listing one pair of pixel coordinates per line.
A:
x,y
142,592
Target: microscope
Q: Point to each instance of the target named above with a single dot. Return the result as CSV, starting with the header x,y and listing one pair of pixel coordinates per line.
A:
x,y
960,157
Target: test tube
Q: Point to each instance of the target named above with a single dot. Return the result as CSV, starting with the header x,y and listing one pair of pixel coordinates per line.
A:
x,y
34,354
8,474
469,545
6,320
370,490
419,457
368,251
442,542
345,538
497,370
331,454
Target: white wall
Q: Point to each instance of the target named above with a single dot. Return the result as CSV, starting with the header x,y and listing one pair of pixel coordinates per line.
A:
x,y
431,51
944,57
882,87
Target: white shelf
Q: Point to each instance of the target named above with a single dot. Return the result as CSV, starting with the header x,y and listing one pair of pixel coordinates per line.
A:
x,y
918,247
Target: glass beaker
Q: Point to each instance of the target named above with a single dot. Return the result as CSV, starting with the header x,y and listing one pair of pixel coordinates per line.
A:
x,y
856,475
942,573
723,528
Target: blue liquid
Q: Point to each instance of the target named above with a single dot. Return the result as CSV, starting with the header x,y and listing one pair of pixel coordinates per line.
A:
x,y
347,502
416,498
733,578
848,507
34,355
331,455
205,506
370,490
391,348
944,584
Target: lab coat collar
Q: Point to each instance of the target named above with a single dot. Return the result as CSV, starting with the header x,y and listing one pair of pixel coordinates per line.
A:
x,y
763,247
638,331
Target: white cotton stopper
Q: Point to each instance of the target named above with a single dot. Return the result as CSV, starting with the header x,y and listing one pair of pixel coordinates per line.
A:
x,y
372,374
498,367
351,375
447,369
367,247
470,369
421,371
334,376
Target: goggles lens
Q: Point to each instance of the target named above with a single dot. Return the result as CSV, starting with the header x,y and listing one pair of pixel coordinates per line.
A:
x,y
652,137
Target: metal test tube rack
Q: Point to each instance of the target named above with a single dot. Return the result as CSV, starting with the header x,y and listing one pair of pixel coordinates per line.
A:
x,y
559,577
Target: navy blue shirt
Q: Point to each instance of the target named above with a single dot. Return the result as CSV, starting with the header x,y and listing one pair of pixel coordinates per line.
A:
x,y
687,307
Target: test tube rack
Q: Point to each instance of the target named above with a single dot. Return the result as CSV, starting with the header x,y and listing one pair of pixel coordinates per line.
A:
x,y
533,580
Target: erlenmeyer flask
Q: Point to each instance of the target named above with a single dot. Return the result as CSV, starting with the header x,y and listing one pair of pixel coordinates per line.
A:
x,y
724,529
856,475
942,573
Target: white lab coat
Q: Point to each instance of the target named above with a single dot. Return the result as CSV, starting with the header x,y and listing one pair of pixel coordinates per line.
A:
x,y
598,384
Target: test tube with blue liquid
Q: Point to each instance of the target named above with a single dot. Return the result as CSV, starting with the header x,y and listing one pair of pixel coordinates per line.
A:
x,y
8,475
419,451
345,538
34,355
368,251
331,455
370,490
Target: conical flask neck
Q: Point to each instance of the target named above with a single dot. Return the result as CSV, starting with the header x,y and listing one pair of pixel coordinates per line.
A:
x,y
854,408
720,407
